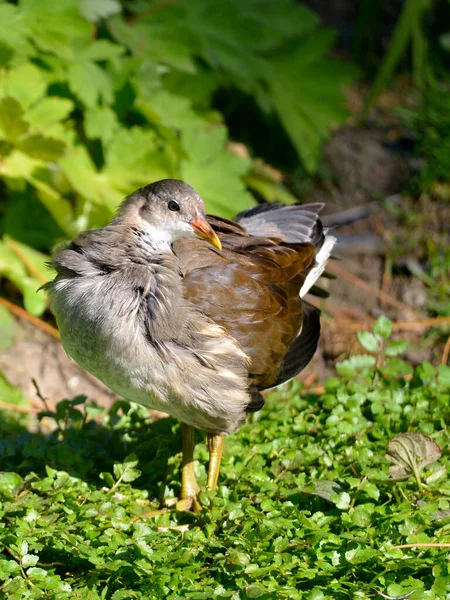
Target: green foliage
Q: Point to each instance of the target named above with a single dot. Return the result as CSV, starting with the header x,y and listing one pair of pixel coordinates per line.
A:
x,y
97,100
308,506
408,31
429,121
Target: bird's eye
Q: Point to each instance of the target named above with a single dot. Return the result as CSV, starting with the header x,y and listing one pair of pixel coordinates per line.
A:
x,y
173,206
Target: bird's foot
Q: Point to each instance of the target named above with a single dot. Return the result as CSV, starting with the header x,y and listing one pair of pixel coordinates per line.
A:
x,y
188,501
191,503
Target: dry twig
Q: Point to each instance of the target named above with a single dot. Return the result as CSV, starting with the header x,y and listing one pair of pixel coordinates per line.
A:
x,y
343,274
23,314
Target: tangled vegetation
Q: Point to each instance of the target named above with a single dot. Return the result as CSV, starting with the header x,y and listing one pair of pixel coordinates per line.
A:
x,y
308,506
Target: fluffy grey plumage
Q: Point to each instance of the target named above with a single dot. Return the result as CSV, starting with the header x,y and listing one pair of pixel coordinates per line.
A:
x,y
125,302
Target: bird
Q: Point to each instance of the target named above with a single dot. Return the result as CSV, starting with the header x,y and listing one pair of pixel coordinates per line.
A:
x,y
192,314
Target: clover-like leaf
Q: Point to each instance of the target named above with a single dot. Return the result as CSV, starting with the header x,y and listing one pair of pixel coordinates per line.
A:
x,y
126,471
383,327
409,453
369,341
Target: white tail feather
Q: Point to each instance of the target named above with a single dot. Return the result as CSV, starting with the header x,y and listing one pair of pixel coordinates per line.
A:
x,y
321,260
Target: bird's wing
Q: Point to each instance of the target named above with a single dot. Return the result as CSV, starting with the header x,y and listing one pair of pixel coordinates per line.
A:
x,y
293,224
251,288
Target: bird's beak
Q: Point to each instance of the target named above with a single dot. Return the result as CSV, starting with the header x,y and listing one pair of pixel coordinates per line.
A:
x,y
204,230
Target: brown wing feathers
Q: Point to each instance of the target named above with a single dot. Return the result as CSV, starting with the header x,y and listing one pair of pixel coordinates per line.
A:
x,y
251,287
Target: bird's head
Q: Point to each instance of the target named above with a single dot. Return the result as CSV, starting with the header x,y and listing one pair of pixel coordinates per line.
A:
x,y
168,210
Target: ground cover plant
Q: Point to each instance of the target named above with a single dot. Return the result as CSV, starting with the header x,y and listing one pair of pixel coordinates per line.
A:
x,y
322,497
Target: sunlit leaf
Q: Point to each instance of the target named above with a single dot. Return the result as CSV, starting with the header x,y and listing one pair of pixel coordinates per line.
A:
x,y
95,10
214,171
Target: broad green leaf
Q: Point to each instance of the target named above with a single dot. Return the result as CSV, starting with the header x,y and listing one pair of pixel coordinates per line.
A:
x,y
14,269
171,111
9,481
100,50
167,40
79,169
13,31
95,10
126,471
19,165
395,347
40,147
134,159
90,83
297,104
214,171
101,123
59,207
410,453
6,54
54,25
12,124
49,110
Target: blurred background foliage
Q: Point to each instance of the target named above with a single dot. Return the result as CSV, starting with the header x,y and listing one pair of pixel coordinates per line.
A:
x,y
96,101
100,97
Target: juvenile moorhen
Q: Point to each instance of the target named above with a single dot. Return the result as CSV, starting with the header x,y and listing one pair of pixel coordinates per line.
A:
x,y
191,314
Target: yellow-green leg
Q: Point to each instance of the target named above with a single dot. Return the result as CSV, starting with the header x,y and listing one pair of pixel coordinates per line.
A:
x,y
215,447
189,486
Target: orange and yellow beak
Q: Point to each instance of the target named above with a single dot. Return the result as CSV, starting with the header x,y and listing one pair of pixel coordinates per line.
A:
x,y
204,230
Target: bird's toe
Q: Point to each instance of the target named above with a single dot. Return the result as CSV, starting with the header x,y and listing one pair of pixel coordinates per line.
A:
x,y
189,504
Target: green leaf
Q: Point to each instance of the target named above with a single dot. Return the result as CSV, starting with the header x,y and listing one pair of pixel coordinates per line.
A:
x,y
95,10
126,471
383,327
53,26
167,39
297,104
26,83
369,341
13,269
29,560
12,123
101,123
393,348
100,50
89,83
409,453
49,110
133,159
9,481
394,367
214,171
43,148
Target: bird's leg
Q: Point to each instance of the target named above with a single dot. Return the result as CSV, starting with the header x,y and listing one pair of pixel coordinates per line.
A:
x,y
215,447
189,486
